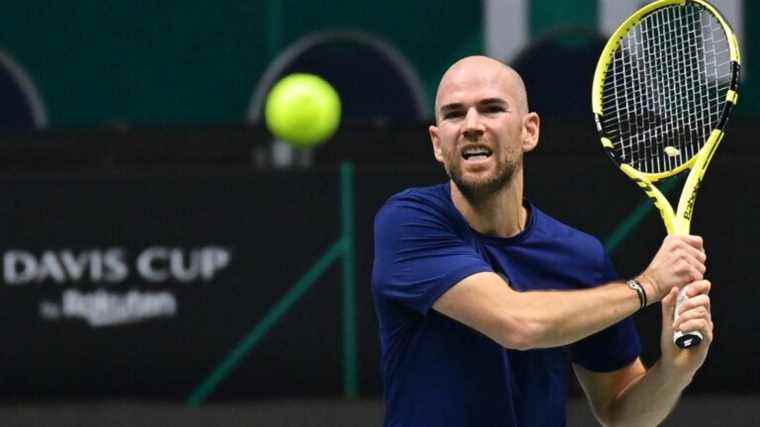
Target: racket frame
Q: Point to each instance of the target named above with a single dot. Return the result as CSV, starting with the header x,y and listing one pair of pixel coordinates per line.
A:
x,y
676,222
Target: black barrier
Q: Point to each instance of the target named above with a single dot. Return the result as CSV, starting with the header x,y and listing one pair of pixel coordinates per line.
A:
x,y
140,277
140,285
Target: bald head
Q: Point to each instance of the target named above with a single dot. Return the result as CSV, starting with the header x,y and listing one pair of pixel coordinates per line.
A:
x,y
480,72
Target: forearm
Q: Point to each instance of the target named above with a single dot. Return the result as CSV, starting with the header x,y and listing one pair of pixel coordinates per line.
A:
x,y
647,400
558,318
535,319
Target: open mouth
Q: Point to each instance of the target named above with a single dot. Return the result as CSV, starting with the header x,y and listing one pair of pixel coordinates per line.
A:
x,y
476,153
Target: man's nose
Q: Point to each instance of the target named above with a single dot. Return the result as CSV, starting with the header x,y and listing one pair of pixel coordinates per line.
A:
x,y
473,127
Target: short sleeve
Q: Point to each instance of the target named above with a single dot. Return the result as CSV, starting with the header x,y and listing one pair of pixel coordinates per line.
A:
x,y
612,348
419,255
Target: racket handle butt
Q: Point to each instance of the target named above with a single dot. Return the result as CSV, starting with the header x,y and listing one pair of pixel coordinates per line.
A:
x,y
688,339
685,339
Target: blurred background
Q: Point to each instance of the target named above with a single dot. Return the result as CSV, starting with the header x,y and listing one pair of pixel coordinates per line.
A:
x,y
166,261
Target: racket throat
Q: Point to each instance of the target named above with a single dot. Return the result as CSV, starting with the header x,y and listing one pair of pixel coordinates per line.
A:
x,y
694,182
672,224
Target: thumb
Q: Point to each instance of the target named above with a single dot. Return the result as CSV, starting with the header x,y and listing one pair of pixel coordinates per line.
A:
x,y
668,308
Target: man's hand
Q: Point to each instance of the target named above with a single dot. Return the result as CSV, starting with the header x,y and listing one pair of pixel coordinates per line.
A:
x,y
694,315
679,261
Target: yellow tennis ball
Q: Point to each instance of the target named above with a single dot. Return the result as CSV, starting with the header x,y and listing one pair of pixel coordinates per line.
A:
x,y
303,110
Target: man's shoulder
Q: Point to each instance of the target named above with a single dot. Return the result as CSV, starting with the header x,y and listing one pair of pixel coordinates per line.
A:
x,y
430,198
429,194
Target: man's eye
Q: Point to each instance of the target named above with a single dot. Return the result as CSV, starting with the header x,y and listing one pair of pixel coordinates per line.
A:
x,y
452,115
494,109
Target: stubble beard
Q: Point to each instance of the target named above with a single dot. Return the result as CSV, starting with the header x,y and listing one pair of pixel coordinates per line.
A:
x,y
478,191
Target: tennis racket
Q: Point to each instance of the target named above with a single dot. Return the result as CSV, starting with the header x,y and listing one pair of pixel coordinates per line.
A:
x,y
663,89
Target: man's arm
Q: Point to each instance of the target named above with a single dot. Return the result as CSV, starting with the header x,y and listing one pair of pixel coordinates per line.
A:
x,y
631,396
538,319
634,396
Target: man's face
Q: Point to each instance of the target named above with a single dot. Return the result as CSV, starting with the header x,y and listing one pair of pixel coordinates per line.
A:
x,y
478,135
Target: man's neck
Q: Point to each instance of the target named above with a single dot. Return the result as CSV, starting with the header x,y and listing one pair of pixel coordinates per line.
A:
x,y
501,214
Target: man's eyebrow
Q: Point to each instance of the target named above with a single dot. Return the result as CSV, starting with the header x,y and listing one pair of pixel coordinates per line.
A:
x,y
452,106
487,101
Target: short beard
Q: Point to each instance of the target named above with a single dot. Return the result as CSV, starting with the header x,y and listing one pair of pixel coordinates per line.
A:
x,y
477,193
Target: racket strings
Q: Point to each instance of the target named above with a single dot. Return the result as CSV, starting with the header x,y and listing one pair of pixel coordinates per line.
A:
x,y
665,88
654,33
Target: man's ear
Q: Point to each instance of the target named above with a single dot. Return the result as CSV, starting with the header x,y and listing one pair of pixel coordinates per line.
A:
x,y
530,131
437,152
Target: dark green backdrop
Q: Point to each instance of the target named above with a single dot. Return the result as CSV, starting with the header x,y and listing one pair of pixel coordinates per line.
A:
x,y
177,62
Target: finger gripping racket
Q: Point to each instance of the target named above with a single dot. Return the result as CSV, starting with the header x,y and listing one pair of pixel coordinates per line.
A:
x,y
663,89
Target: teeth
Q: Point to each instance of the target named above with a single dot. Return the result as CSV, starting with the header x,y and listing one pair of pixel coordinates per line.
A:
x,y
470,152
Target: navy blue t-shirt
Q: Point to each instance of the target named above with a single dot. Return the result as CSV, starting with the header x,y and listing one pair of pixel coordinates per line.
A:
x,y
439,372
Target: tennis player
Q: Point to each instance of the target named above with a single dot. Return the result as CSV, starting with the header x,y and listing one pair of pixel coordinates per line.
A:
x,y
485,302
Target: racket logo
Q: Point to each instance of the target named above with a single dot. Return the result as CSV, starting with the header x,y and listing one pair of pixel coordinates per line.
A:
x,y
692,197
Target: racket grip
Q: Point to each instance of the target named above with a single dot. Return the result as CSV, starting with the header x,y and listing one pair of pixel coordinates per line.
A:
x,y
684,339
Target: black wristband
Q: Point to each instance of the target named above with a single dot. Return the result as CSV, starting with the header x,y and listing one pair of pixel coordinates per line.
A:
x,y
636,286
